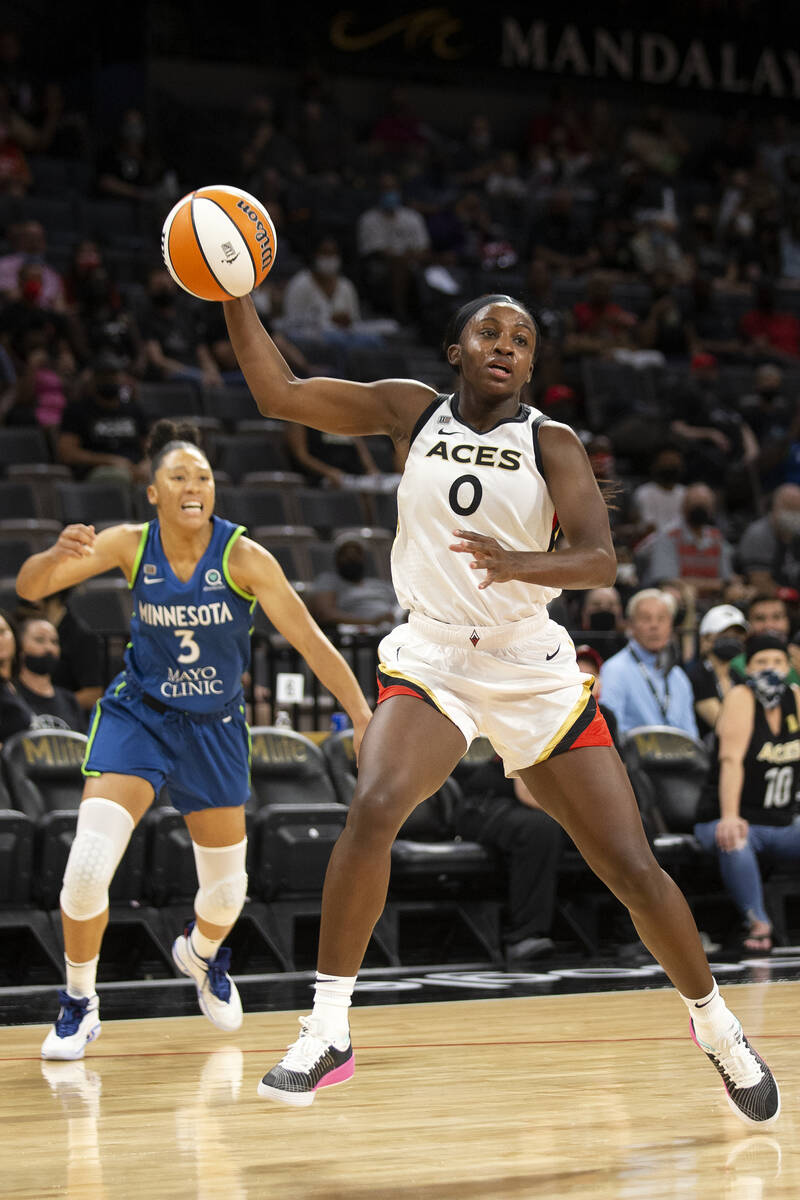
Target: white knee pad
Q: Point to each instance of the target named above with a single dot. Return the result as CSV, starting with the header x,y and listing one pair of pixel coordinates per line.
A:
x,y
104,830
223,882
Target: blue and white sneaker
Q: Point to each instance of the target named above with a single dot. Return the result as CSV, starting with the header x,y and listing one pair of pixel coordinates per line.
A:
x,y
77,1024
217,994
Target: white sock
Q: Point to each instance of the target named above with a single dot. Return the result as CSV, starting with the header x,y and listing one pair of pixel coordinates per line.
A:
x,y
711,1016
81,977
332,995
204,947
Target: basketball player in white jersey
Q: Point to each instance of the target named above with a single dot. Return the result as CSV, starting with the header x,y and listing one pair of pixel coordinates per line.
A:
x,y
489,487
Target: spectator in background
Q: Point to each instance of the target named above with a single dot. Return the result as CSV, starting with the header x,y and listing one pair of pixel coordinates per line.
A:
x,y
657,503
15,715
29,247
750,798
16,136
268,148
106,325
769,332
80,665
129,167
554,322
713,436
693,549
603,621
561,239
174,336
475,157
600,325
643,684
769,548
655,248
103,433
664,327
722,631
502,814
347,595
773,417
39,652
322,304
765,614
328,458
392,240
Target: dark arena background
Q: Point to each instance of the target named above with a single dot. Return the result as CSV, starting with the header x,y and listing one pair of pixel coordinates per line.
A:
x,y
632,174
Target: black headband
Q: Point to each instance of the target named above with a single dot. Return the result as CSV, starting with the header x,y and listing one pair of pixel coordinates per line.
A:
x,y
763,641
468,311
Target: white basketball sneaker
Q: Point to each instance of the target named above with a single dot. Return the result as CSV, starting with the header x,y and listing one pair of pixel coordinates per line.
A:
x,y
217,994
77,1024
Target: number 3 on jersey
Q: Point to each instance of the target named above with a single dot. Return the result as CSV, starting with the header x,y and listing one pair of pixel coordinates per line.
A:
x,y
190,651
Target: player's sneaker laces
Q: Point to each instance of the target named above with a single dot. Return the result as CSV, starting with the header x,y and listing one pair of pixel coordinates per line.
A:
x,y
312,1063
750,1085
77,1024
217,994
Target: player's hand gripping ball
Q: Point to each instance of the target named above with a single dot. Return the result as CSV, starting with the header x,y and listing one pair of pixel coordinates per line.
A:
x,y
218,242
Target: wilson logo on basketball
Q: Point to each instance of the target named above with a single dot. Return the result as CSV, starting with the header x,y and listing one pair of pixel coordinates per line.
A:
x,y
262,233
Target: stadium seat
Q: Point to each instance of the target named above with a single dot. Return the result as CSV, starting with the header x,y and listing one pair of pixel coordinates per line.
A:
x,y
43,478
90,503
296,818
18,500
256,506
23,445
13,552
169,399
43,769
239,453
28,948
327,511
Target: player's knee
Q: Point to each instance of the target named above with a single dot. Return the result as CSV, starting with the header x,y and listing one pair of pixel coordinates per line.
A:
x,y
222,878
221,903
104,830
376,814
638,882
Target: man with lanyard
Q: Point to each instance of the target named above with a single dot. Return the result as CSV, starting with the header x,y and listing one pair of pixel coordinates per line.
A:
x,y
643,684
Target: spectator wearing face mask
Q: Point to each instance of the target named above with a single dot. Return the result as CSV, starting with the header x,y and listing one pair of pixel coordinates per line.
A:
x,y
322,305
54,707
603,621
28,243
693,549
349,595
392,240
749,803
765,614
769,548
722,632
102,434
657,503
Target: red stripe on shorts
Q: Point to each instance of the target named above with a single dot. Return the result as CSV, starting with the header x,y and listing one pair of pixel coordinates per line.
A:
x,y
596,733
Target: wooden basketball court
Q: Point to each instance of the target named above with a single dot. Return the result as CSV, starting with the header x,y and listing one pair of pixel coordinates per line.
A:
x,y
600,1096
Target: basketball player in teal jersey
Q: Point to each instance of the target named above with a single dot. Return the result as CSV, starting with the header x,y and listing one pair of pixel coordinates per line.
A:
x,y
174,715
473,562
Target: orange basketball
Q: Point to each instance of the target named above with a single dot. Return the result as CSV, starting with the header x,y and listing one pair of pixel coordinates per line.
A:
x,y
218,242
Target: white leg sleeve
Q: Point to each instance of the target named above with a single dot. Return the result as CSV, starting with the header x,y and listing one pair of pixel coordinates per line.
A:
x,y
104,830
223,882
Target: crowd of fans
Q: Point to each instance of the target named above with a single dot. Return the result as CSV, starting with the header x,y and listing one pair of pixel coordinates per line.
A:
x,y
663,269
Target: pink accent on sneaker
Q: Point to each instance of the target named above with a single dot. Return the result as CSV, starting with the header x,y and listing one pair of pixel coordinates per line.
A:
x,y
340,1075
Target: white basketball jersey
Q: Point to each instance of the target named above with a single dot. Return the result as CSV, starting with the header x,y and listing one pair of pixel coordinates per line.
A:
x,y
490,483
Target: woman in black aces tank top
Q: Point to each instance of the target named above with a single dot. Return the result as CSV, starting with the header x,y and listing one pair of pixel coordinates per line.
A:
x,y
754,787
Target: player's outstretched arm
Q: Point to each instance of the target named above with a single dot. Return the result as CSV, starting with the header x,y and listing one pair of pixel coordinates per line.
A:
x,y
390,406
255,570
79,554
